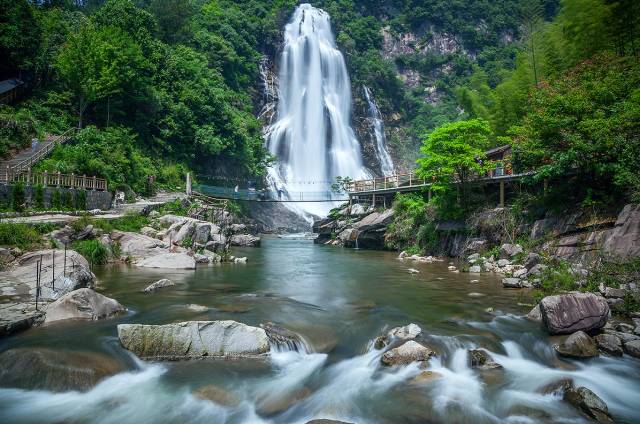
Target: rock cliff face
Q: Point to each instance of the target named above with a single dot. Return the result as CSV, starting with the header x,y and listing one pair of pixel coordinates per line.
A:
x,y
365,231
576,237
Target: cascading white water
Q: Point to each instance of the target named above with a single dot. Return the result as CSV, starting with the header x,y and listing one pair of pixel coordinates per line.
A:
x,y
312,138
382,154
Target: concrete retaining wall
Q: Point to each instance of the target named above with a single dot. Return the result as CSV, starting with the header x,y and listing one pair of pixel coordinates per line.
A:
x,y
95,199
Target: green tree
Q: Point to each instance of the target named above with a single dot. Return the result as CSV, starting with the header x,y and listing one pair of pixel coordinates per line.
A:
x,y
97,62
19,37
582,130
453,153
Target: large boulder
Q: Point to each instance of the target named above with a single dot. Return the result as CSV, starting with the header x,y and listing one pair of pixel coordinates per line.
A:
x,y
568,313
136,246
19,279
376,220
589,403
609,343
578,345
202,232
185,233
624,239
245,240
194,340
632,347
54,370
169,261
508,251
82,304
407,353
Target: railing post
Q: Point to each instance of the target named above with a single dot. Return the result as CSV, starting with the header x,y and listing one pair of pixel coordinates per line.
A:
x,y
73,180
94,182
84,181
58,181
44,179
29,176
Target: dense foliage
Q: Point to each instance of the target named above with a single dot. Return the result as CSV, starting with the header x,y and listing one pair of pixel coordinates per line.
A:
x,y
169,84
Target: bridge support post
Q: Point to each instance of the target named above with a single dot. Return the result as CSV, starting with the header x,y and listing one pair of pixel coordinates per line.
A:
x,y
501,194
350,203
373,201
188,185
429,195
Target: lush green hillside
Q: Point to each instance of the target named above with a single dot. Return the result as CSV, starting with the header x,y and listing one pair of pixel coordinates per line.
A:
x,y
174,84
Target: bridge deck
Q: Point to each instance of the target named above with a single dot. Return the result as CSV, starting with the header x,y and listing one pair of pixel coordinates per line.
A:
x,y
410,182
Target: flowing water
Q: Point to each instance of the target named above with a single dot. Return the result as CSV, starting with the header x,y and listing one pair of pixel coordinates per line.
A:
x,y
338,300
312,137
382,154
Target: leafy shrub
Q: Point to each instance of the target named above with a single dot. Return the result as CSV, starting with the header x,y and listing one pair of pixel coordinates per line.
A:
x,y
67,200
129,223
56,200
17,197
81,200
92,250
22,236
38,198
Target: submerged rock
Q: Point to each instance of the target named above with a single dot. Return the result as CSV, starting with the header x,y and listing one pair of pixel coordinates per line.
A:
x,y
217,395
512,283
478,358
323,421
398,334
578,345
589,403
193,340
160,284
425,377
280,336
55,370
407,353
82,304
568,313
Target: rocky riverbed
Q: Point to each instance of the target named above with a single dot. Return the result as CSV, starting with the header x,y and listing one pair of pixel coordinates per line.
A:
x,y
288,338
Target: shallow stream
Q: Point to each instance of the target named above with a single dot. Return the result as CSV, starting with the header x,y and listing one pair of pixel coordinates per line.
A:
x,y
338,300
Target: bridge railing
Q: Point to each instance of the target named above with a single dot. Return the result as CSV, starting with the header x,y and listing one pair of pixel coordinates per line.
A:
x,y
42,152
58,179
411,179
269,195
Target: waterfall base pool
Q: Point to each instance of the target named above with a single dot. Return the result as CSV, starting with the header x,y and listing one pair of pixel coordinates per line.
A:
x,y
338,300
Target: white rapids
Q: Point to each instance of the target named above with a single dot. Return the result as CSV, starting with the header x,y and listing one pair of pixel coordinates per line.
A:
x,y
312,138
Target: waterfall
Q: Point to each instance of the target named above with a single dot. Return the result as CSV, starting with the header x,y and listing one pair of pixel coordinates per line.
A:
x,y
312,138
382,154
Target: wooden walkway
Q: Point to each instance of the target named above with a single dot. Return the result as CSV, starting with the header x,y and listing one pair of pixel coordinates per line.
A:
x,y
410,182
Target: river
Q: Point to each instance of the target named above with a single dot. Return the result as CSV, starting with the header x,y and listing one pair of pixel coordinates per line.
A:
x,y
338,300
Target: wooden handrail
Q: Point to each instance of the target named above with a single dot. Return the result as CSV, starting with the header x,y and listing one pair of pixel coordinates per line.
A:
x,y
410,179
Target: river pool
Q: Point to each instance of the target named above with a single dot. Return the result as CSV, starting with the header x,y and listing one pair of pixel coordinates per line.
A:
x,y
338,300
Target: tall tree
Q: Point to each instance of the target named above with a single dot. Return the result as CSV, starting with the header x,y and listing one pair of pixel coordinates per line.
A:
x,y
97,62
453,152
